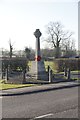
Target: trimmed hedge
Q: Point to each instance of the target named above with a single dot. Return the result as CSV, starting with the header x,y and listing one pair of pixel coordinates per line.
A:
x,y
72,63
14,63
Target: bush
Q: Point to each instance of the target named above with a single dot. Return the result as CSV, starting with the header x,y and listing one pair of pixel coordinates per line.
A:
x,y
16,64
73,64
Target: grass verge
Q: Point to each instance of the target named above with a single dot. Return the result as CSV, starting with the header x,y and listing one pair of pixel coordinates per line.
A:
x,y
5,86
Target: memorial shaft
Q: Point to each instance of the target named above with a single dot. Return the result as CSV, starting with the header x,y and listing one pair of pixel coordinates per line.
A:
x,y
37,54
37,34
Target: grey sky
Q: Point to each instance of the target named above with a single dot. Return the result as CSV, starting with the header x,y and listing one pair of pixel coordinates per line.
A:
x,y
79,26
20,18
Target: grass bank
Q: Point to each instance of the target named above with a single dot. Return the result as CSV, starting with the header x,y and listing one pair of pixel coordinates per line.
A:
x,y
5,86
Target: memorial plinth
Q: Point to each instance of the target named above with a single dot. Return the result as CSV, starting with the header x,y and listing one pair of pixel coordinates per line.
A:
x,y
37,70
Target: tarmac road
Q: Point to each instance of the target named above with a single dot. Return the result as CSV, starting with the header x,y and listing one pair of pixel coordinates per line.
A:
x,y
61,103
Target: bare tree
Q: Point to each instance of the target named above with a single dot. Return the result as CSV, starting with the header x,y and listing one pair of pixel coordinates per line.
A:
x,y
56,34
27,52
68,47
11,48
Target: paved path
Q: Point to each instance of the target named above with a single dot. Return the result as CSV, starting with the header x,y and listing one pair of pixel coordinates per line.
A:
x,y
39,88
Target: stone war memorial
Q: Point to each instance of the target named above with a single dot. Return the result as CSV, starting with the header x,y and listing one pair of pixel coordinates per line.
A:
x,y
37,70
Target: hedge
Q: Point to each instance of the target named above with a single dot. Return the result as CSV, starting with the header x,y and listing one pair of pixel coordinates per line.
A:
x,y
72,63
14,63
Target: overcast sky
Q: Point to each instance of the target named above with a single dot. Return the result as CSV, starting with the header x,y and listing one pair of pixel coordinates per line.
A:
x,y
79,26
20,18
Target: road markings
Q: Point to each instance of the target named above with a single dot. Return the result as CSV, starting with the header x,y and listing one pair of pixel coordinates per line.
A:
x,y
42,116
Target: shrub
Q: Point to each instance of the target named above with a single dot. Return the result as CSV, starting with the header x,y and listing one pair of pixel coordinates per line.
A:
x,y
73,64
16,64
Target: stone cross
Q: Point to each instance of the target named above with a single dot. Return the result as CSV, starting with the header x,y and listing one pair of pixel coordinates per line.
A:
x,y
37,34
37,70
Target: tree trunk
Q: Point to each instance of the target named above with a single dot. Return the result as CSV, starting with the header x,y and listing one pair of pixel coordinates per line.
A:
x,y
57,52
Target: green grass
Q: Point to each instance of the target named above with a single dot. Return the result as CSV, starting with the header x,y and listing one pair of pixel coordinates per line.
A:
x,y
1,81
11,86
4,86
51,64
29,63
76,71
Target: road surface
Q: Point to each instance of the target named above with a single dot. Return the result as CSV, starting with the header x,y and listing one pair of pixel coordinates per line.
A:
x,y
51,104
